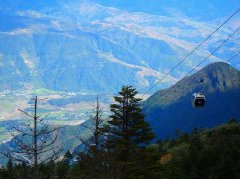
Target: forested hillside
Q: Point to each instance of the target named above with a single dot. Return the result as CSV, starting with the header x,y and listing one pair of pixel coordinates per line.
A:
x,y
212,153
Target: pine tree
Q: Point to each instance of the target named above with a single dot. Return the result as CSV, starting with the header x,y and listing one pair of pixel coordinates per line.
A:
x,y
35,142
10,168
90,161
128,133
68,157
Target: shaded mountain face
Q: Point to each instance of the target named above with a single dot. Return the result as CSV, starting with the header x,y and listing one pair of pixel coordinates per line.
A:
x,y
83,46
172,108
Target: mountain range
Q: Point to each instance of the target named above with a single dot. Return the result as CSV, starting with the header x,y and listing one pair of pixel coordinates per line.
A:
x,y
171,109
98,46
67,49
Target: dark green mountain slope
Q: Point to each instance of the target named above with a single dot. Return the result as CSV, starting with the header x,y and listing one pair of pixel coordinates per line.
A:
x,y
212,153
172,108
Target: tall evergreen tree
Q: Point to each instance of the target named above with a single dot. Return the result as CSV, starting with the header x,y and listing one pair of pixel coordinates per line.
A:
x,y
10,168
128,133
90,161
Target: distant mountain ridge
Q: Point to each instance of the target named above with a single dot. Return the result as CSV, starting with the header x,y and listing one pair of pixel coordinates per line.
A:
x,y
205,9
87,47
172,108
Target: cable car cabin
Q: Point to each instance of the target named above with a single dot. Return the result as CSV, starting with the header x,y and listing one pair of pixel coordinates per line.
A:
x,y
198,100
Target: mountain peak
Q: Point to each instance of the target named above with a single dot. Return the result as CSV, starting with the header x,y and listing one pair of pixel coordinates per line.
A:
x,y
217,66
217,77
172,108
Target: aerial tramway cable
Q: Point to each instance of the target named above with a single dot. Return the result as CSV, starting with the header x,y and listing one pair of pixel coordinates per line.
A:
x,y
235,55
190,53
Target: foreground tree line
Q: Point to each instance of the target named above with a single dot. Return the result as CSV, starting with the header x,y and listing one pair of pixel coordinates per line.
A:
x,y
123,147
